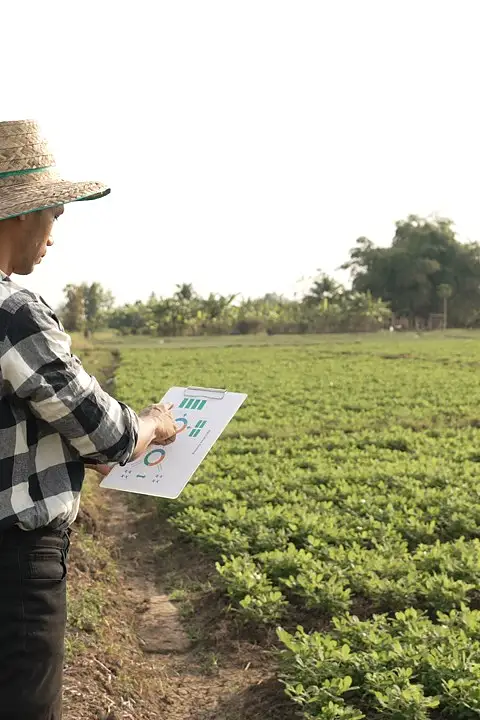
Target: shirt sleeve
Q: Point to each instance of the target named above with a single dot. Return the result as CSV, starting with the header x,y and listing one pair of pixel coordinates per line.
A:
x,y
37,367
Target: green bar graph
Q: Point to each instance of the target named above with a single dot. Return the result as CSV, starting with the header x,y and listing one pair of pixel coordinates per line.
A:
x,y
195,432
193,404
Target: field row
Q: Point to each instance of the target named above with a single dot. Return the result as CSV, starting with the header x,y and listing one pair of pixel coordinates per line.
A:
x,y
347,487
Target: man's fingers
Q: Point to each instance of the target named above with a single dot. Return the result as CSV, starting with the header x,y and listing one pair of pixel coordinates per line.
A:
x,y
163,407
157,409
165,440
169,436
166,430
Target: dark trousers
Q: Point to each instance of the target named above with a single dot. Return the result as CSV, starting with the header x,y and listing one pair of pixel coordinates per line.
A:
x,y
32,623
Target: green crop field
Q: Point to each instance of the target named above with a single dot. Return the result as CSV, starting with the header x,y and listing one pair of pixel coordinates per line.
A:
x,y
344,498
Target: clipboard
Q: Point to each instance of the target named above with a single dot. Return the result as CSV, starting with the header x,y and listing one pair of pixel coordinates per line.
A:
x,y
201,414
206,393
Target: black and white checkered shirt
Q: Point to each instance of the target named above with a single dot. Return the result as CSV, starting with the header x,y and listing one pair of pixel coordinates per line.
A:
x,y
54,417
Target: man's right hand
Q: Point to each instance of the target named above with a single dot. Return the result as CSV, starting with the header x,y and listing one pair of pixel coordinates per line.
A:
x,y
165,426
156,425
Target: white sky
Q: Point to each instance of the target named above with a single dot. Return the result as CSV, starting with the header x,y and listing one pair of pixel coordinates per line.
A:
x,y
249,142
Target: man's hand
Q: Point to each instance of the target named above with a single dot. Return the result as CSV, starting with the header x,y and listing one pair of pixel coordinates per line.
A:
x,y
165,426
101,469
156,426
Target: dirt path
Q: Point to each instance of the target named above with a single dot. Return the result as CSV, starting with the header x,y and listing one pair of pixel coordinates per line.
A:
x,y
132,654
182,668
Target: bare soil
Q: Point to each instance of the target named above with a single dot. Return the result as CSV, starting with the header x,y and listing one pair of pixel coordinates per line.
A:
x,y
136,655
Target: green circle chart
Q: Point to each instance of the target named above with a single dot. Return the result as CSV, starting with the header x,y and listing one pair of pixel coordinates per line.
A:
x,y
160,457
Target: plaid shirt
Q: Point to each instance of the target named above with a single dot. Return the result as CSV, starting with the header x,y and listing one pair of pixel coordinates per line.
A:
x,y
54,417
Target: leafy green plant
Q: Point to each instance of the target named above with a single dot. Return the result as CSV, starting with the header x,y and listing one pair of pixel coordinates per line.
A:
x,y
346,488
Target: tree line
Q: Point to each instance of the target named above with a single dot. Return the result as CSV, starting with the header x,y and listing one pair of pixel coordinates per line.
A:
x,y
424,275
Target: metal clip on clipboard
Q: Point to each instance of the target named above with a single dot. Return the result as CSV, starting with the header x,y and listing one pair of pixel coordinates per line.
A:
x,y
205,393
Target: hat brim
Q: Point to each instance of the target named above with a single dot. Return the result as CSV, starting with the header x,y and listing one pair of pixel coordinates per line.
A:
x,y
25,199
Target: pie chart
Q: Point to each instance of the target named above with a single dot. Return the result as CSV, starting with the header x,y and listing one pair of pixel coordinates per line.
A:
x,y
182,423
154,457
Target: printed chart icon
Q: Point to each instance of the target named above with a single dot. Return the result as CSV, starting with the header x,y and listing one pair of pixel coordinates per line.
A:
x,y
195,432
182,424
154,457
192,404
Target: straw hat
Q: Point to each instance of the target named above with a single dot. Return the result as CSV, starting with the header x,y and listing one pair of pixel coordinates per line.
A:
x,y
28,180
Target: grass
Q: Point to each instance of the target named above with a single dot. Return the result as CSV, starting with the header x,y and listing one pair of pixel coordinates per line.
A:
x,y
100,646
111,340
93,579
93,568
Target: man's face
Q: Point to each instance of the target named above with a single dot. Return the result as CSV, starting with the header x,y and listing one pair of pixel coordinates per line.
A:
x,y
34,237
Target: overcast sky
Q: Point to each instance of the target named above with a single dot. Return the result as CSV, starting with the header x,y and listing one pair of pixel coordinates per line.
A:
x,y
247,143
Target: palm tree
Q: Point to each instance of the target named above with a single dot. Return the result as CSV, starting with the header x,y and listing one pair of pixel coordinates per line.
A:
x,y
324,288
185,292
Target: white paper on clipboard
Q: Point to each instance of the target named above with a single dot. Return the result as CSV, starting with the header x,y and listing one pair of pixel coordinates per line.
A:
x,y
201,415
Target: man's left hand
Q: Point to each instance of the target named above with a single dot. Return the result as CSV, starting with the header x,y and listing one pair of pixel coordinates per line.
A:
x,y
101,469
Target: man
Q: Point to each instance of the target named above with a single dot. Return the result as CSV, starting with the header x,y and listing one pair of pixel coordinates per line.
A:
x,y
54,421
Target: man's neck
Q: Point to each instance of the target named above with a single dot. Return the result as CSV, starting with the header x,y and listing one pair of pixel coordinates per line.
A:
x,y
6,249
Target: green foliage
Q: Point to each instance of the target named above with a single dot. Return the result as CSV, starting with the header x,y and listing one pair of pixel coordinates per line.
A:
x,y
98,302
85,610
425,271
86,307
346,487
399,667
186,313
73,312
425,265
255,593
